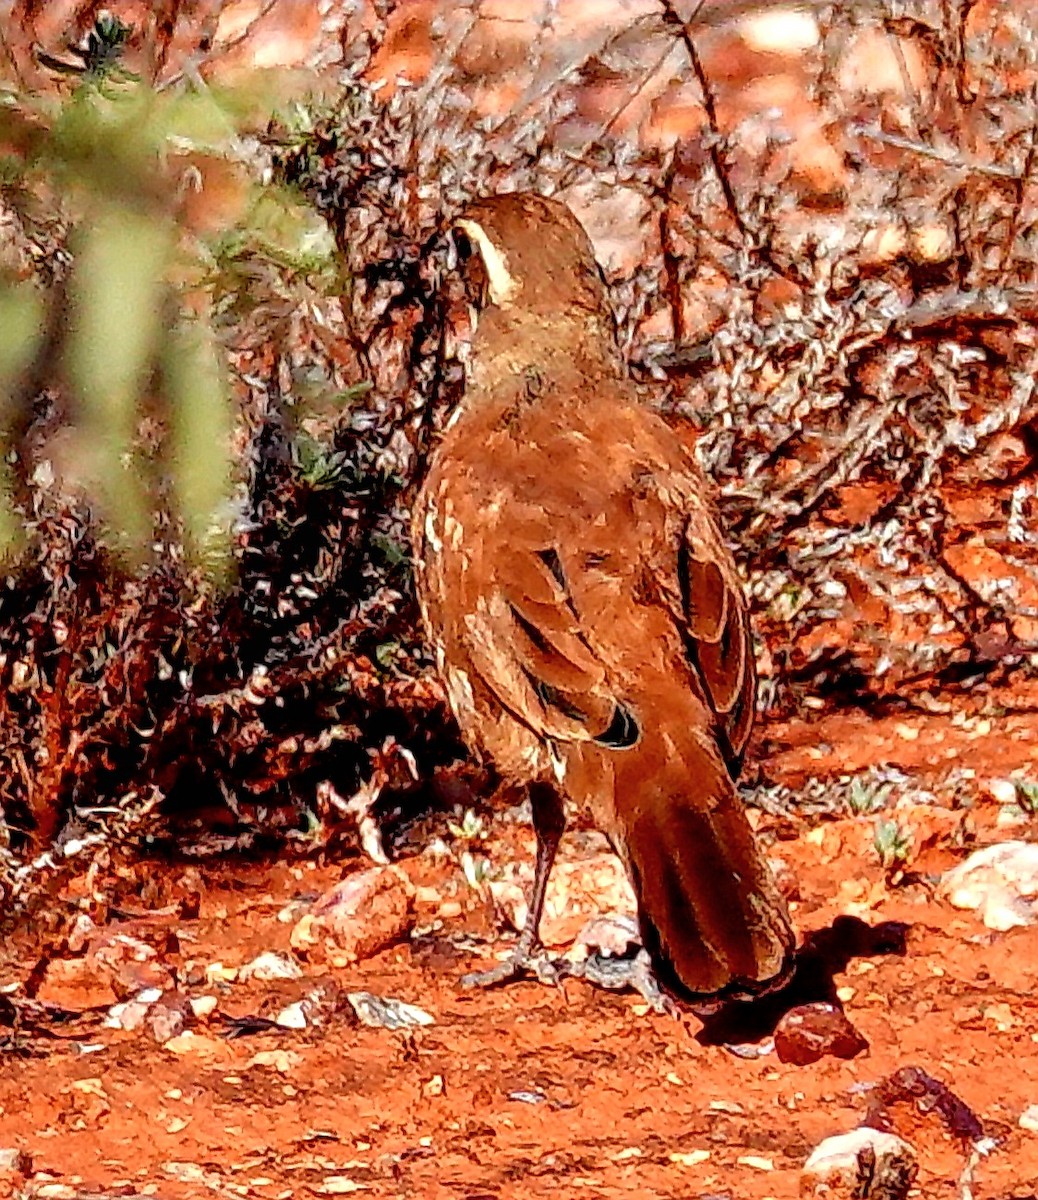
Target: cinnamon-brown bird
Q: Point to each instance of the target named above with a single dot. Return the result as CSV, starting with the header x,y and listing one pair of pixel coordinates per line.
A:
x,y
586,615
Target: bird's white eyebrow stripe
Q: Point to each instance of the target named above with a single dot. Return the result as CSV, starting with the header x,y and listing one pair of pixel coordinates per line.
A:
x,y
503,285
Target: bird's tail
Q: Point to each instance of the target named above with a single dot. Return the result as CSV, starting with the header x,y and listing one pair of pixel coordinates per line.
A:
x,y
712,918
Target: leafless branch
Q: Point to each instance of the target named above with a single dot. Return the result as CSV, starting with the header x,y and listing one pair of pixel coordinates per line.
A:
x,y
948,157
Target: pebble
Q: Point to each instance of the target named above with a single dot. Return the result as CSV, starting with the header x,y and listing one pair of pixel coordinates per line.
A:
x,y
611,934
999,882
271,965
387,1013
1003,791
14,1161
77,984
578,892
167,1020
836,1167
131,1014
689,1158
811,1032
1029,1119
292,1017
203,1006
128,1016
359,916
313,1009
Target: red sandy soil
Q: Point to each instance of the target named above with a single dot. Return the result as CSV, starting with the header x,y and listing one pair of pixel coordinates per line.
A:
x,y
528,1090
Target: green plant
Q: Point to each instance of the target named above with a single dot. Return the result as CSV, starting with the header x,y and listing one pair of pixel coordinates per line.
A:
x,y
471,832
318,466
101,57
470,828
141,298
893,843
386,653
866,796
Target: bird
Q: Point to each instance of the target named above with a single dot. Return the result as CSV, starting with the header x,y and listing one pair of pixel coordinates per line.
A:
x,y
585,613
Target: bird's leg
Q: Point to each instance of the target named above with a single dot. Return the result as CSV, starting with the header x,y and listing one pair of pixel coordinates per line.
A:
x,y
549,823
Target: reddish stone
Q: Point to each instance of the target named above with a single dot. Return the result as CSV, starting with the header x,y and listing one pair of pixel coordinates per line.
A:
x,y
360,916
812,1031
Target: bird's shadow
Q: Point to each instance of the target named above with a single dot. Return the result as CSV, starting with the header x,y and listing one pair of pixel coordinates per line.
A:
x,y
824,954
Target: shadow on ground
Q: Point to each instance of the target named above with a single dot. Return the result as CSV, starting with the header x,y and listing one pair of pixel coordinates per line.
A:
x,y
824,954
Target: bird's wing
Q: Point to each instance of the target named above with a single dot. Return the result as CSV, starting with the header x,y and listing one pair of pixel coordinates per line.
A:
x,y
560,574
709,601
716,629
524,635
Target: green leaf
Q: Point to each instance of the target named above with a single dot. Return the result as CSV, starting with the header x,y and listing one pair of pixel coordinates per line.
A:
x,y
386,654
201,426
21,328
118,290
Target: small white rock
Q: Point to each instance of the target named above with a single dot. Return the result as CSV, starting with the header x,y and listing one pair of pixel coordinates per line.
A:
x,y
610,934
131,1014
757,1161
832,1169
359,916
386,1013
689,1158
1029,1119
292,1017
1003,791
1000,882
217,973
271,965
14,1161
781,30
203,1006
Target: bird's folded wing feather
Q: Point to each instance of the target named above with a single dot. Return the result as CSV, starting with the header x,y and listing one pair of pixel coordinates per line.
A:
x,y
703,590
534,634
525,638
716,629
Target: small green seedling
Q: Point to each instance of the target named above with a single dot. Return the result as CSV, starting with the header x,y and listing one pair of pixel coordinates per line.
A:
x,y
893,844
867,797
470,829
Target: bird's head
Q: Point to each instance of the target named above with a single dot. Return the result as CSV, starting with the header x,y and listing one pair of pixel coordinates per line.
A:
x,y
533,282
531,252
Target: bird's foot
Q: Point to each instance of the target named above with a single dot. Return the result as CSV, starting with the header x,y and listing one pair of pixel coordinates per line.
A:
x,y
629,972
520,962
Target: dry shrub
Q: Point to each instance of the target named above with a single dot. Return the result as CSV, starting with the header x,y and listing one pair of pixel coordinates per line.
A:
x,y
843,301
840,296
865,356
